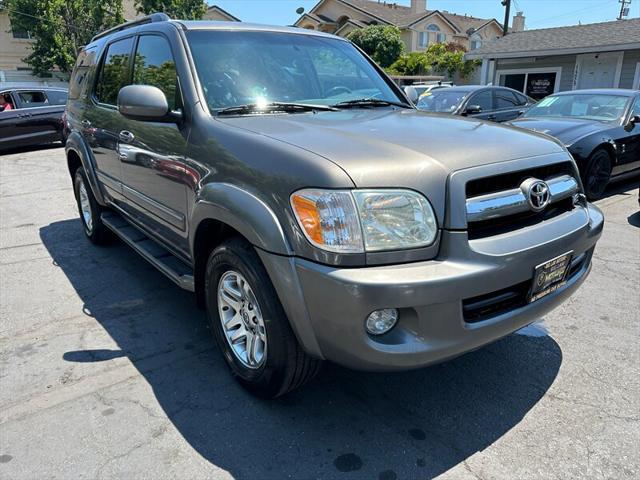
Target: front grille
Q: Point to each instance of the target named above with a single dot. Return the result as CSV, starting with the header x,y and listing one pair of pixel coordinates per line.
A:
x,y
506,181
497,205
484,307
497,226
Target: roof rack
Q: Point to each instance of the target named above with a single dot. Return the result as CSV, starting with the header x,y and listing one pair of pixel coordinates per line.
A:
x,y
154,17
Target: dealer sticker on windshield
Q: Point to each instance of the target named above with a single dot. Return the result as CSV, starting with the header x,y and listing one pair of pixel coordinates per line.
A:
x,y
550,276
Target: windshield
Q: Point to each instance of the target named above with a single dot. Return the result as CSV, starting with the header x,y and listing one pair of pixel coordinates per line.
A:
x,y
441,100
600,107
239,67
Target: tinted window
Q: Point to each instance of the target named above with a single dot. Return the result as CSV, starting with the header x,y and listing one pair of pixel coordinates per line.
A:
x,y
522,100
154,65
115,71
32,99
505,99
79,75
636,108
57,98
483,100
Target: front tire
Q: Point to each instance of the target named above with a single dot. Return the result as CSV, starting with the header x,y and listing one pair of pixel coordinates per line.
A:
x,y
597,174
89,210
250,325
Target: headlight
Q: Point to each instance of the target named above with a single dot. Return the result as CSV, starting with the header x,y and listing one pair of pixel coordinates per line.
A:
x,y
365,220
395,219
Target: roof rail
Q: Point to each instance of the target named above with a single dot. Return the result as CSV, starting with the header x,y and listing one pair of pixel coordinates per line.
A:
x,y
152,18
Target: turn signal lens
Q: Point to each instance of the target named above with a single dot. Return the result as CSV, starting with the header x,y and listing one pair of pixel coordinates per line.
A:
x,y
329,219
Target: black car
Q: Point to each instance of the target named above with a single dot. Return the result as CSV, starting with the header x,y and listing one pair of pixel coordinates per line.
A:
x,y
498,104
601,129
31,116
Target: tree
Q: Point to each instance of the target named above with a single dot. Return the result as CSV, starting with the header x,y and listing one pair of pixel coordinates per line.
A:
x,y
60,28
441,58
382,43
182,9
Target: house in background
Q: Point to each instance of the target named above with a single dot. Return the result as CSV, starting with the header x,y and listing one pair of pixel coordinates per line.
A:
x,y
216,13
419,27
15,46
541,62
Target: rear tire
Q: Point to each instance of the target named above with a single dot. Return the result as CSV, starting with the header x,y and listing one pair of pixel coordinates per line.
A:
x,y
597,174
89,210
239,292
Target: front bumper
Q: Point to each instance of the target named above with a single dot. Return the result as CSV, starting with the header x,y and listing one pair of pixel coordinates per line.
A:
x,y
327,306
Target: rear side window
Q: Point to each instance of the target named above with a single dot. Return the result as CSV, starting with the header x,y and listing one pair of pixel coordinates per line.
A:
x,y
114,73
154,65
57,98
86,59
505,99
32,99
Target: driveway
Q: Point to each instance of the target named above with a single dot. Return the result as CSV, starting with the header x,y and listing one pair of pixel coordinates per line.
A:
x,y
108,370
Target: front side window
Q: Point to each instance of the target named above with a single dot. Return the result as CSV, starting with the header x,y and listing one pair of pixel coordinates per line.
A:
x,y
154,65
32,99
601,107
239,68
114,73
483,100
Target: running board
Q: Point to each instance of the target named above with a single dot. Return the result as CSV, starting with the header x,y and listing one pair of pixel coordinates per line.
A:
x,y
150,250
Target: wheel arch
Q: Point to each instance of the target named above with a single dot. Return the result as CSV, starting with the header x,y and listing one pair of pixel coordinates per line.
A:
x,y
78,154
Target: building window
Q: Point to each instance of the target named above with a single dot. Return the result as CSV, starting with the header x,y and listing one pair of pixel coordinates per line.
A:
x,y
432,34
476,41
18,32
536,84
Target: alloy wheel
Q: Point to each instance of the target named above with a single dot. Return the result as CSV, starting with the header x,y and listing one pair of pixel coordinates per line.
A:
x,y
241,319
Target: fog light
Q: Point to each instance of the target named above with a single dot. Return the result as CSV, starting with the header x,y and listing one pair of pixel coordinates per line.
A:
x,y
381,321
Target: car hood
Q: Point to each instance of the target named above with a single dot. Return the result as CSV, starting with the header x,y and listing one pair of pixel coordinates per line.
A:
x,y
388,147
567,130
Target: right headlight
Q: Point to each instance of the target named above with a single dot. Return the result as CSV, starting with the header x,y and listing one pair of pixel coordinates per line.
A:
x,y
356,221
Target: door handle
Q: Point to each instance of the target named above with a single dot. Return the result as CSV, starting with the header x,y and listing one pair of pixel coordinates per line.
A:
x,y
86,123
126,136
491,117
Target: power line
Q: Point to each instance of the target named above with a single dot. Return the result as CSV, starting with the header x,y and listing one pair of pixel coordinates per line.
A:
x,y
601,7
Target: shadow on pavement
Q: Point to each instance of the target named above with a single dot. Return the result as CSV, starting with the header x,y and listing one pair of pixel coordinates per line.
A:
x,y
31,148
405,425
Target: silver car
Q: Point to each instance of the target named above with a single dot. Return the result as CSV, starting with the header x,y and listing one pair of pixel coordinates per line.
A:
x,y
280,175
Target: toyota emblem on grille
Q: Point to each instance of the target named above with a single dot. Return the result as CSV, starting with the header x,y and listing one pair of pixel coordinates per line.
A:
x,y
537,193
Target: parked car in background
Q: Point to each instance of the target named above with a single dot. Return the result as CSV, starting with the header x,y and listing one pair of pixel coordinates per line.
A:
x,y
34,116
422,88
498,104
601,129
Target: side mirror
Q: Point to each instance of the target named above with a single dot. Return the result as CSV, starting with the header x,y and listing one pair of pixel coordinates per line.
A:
x,y
633,121
144,102
411,93
472,109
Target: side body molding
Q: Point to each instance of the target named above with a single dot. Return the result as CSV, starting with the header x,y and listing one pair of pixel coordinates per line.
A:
x,y
76,143
243,211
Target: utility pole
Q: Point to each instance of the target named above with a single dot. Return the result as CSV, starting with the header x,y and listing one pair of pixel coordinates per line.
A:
x,y
507,12
624,10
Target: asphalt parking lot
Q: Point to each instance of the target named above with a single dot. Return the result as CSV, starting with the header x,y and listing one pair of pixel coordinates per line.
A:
x,y
107,370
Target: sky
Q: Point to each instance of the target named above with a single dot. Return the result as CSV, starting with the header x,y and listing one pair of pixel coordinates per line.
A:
x,y
538,13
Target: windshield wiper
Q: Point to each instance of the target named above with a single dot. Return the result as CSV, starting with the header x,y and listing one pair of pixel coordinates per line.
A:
x,y
369,102
273,107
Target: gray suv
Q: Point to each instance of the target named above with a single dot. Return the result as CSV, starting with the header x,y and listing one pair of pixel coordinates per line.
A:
x,y
280,175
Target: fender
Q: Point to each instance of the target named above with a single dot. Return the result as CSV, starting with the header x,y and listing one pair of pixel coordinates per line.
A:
x,y
242,211
76,143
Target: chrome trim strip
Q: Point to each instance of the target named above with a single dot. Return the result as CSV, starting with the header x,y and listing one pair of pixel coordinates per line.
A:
x,y
509,202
